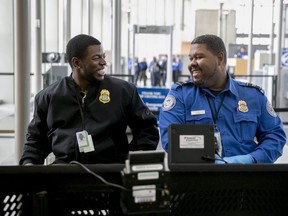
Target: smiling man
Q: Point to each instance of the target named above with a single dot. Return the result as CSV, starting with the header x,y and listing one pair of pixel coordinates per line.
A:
x,y
84,116
246,127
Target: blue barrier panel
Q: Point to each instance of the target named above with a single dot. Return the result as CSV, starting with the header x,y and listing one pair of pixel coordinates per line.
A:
x,y
153,97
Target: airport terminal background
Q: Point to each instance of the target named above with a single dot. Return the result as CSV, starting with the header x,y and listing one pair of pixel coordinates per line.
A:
x,y
34,34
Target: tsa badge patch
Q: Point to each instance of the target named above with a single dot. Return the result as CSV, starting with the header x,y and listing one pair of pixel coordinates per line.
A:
x,y
242,106
169,103
104,96
270,109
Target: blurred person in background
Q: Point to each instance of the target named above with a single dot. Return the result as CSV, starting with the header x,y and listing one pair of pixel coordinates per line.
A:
x,y
163,69
154,68
143,68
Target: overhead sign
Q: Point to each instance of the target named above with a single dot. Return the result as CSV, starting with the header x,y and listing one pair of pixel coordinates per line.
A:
x,y
151,29
153,97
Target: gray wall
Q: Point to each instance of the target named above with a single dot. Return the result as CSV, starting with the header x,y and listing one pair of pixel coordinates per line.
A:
x,y
208,21
6,52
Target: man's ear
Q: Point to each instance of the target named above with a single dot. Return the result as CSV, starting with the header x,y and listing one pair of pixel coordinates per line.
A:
x,y
75,62
221,58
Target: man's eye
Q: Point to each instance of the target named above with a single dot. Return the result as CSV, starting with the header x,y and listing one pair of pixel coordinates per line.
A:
x,y
99,57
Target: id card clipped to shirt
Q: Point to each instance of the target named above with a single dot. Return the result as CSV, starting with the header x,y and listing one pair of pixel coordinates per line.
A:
x,y
218,143
85,142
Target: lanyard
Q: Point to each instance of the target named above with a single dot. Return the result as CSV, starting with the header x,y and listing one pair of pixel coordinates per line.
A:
x,y
81,107
215,115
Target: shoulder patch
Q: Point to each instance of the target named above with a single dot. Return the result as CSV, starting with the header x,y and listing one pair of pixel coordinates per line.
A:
x,y
169,103
270,109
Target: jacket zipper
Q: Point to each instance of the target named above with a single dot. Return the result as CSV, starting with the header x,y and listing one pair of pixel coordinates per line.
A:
x,y
83,98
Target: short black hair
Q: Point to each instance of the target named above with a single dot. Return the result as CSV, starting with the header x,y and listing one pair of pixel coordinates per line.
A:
x,y
213,43
77,46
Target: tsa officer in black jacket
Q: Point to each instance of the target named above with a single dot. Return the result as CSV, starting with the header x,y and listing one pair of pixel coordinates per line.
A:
x,y
84,116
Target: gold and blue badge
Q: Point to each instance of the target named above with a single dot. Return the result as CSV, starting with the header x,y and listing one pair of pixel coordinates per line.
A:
x,y
104,96
242,106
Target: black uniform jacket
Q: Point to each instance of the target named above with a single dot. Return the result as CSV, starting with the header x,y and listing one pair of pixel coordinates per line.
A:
x,y
108,108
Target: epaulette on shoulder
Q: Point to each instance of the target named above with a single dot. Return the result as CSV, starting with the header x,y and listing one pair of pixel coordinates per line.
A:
x,y
253,86
182,83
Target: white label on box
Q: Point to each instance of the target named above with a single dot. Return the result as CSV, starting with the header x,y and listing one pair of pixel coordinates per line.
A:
x,y
146,167
147,175
144,193
191,141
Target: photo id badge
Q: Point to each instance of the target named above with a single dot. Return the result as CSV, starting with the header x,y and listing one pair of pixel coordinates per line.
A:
x,y
218,143
84,141
90,146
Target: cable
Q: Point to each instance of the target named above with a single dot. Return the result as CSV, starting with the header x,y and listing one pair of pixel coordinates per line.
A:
x,y
99,177
208,158
109,183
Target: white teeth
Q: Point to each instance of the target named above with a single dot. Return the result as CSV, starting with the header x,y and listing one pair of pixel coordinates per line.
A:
x,y
102,72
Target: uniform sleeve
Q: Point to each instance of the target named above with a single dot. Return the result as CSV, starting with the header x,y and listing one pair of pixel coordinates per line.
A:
x,y
270,135
37,147
143,125
172,112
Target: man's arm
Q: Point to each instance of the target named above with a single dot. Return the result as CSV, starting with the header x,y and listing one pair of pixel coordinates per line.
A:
x,y
37,147
143,124
271,136
172,112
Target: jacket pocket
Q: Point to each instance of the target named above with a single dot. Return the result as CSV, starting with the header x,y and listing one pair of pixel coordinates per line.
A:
x,y
246,124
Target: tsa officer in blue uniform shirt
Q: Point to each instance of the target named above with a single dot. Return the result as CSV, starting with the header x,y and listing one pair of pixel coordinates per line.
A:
x,y
247,128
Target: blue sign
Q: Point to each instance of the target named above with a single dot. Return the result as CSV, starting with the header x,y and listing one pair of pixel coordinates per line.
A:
x,y
153,97
284,57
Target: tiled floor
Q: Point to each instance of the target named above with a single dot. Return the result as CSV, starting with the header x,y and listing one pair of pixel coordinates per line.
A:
x,y
7,144
7,150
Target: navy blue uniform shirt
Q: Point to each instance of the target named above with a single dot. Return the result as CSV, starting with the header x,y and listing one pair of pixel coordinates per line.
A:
x,y
246,120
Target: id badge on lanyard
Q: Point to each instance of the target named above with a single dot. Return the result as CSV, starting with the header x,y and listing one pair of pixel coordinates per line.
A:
x,y
217,135
218,143
84,141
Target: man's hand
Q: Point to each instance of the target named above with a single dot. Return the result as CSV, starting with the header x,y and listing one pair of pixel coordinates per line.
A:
x,y
239,159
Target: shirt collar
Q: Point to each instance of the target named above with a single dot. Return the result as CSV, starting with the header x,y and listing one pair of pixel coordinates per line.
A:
x,y
229,87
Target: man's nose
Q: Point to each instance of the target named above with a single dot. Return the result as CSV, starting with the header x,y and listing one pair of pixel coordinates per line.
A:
x,y
103,61
190,66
